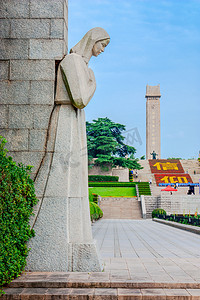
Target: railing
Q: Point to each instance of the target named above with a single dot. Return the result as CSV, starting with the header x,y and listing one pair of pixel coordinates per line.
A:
x,y
137,191
143,207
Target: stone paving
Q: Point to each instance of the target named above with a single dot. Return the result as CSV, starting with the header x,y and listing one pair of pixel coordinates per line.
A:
x,y
145,251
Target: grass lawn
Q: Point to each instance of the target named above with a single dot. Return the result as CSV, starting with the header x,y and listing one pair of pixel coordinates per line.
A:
x,y
114,191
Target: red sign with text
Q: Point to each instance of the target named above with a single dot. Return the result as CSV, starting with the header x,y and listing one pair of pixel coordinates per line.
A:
x,y
165,166
172,178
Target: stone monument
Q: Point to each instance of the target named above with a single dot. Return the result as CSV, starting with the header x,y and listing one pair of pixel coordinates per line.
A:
x,y
45,130
152,120
63,240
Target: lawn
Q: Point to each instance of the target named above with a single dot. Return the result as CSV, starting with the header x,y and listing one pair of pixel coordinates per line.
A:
x,y
114,191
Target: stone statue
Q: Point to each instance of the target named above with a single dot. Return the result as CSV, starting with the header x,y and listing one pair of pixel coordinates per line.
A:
x,y
154,154
63,240
77,85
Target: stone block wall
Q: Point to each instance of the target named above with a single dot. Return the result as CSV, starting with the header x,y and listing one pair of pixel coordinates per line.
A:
x,y
179,204
96,170
122,173
33,37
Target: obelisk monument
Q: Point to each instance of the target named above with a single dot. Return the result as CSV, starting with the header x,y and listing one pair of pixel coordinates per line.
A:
x,y
152,120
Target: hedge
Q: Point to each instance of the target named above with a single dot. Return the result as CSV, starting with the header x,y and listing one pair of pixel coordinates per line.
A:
x,y
111,184
17,198
102,178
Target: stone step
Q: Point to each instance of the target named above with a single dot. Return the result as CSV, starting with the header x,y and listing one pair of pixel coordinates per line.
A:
x,y
195,178
117,217
91,280
120,208
99,293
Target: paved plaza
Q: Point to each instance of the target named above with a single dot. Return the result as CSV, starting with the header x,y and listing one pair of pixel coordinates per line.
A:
x,y
142,260
146,251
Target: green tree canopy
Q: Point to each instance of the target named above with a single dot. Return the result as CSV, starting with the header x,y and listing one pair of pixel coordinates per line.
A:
x,y
106,145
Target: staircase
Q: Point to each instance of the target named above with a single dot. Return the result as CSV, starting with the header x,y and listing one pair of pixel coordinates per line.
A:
x,y
192,167
144,188
120,208
145,173
94,286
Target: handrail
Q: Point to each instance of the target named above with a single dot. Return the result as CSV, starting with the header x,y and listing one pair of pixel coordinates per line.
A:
x,y
143,207
137,191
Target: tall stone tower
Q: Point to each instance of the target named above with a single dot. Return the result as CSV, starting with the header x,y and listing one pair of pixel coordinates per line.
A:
x,y
152,120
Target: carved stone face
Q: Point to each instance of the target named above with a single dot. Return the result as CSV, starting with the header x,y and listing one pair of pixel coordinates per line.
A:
x,y
99,47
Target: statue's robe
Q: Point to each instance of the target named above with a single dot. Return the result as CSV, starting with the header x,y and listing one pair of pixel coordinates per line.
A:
x,y
63,240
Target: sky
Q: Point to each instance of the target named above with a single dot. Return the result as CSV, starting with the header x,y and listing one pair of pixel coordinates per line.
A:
x,y
152,42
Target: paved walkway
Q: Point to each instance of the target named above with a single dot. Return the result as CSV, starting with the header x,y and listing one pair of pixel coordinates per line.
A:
x,y
143,250
143,260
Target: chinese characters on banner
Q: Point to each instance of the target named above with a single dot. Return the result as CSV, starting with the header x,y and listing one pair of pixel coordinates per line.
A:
x,y
168,171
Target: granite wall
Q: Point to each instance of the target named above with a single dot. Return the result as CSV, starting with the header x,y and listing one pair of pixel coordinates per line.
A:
x,y
122,173
178,204
33,40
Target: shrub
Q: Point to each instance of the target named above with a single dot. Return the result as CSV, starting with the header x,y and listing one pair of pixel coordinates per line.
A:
x,y
158,212
17,198
92,196
95,198
102,178
111,184
95,211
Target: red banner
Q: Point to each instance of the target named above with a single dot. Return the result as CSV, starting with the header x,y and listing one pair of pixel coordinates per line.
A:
x,y
165,166
172,178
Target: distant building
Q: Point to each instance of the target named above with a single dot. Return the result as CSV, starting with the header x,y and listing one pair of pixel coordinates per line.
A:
x,y
152,120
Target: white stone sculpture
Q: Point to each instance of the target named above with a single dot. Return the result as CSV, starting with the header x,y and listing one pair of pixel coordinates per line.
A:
x,y
63,240
78,84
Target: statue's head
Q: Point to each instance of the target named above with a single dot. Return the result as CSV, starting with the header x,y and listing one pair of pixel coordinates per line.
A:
x,y
93,43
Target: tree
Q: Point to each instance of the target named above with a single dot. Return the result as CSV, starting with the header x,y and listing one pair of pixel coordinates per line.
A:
x,y
142,157
106,145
